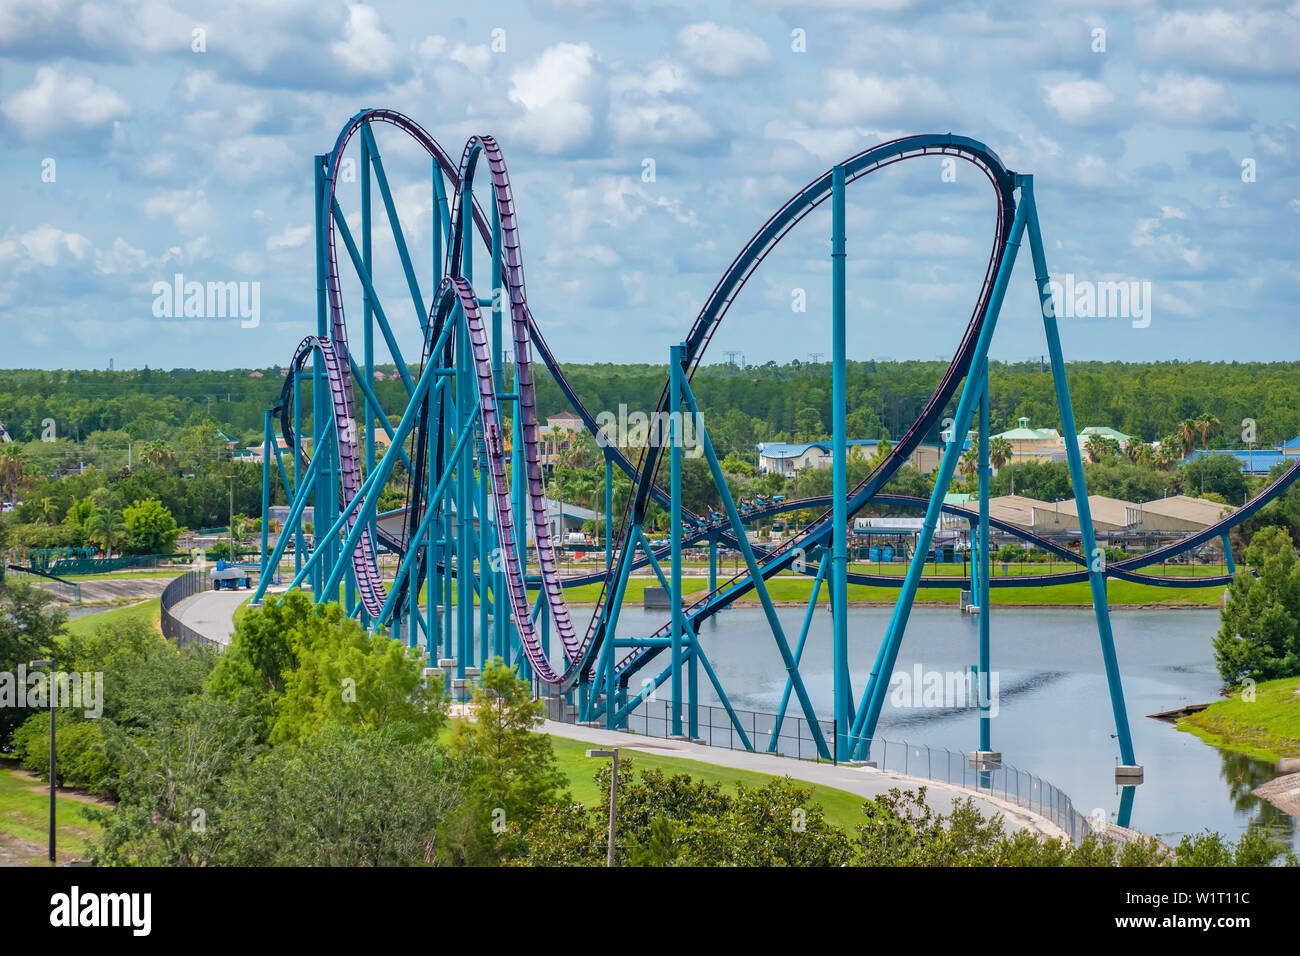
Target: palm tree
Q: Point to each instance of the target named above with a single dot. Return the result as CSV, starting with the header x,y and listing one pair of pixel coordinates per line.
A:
x,y
13,471
107,529
1207,425
1099,447
157,453
969,462
1000,452
1187,431
1168,454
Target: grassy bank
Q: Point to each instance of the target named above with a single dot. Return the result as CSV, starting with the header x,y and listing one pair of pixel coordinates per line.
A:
x,y
150,611
1267,727
842,808
25,819
793,589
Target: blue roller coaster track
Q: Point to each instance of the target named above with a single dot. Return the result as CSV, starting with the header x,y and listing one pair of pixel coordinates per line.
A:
x,y
472,491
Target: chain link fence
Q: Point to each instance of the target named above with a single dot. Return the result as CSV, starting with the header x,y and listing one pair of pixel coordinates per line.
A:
x,y
188,584
753,730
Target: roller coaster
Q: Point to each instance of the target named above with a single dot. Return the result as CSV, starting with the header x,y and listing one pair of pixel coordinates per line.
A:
x,y
472,492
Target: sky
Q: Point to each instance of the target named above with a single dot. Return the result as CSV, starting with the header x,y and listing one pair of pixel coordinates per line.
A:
x,y
646,142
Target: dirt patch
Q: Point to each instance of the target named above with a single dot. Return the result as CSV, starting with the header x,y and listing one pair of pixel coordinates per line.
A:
x,y
67,793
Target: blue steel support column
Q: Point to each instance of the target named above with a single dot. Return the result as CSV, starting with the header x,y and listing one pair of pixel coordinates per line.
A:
x,y
1096,576
1227,555
609,511
675,354
760,585
496,570
864,725
518,490
839,468
983,678
368,330
320,392
268,444
485,534
299,542
822,567
435,592
464,486
713,562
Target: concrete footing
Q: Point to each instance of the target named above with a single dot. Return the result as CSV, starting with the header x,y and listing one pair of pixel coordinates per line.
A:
x,y
1128,774
984,760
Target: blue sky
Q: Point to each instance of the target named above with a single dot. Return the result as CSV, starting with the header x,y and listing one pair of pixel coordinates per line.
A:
x,y
170,160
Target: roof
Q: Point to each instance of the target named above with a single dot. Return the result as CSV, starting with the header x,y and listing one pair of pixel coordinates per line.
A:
x,y
1014,508
1105,432
1201,510
1291,443
780,449
1022,432
564,416
1256,461
1106,510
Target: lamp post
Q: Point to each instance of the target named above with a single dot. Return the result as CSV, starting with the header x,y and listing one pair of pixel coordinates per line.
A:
x,y
613,798
49,665
231,478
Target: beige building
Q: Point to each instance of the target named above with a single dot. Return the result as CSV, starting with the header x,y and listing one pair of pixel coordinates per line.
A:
x,y
1177,513
1108,514
1033,444
1015,509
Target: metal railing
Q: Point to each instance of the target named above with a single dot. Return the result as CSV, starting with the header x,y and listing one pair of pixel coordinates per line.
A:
x,y
188,584
653,718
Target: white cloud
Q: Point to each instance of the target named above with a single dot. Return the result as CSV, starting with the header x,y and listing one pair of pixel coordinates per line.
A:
x,y
366,50
187,208
1080,101
722,51
56,102
121,258
863,97
1257,41
291,237
558,95
45,246
1191,100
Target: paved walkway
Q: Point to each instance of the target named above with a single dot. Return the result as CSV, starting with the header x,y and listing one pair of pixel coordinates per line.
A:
x,y
211,613
863,781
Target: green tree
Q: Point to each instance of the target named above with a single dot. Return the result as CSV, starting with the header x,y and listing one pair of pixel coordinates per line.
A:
x,y
346,797
1259,626
348,675
150,527
28,628
512,770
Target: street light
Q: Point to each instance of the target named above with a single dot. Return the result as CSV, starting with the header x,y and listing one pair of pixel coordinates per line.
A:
x,y
232,517
49,665
613,798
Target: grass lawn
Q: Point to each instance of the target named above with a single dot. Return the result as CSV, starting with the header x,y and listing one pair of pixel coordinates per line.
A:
x,y
842,808
25,814
1267,727
798,588
147,611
